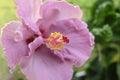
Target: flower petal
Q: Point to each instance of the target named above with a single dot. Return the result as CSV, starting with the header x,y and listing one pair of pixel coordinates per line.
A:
x,y
13,43
53,11
81,41
35,44
28,10
59,11
80,47
54,0
43,65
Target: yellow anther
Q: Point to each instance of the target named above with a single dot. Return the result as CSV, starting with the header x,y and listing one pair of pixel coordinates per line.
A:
x,y
55,41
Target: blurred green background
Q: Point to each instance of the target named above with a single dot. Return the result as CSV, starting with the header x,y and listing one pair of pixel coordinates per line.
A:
x,y
103,18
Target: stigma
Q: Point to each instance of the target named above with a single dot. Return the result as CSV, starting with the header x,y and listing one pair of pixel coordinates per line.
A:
x,y
56,41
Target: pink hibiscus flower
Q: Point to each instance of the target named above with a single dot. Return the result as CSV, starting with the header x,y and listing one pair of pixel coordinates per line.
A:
x,y
48,41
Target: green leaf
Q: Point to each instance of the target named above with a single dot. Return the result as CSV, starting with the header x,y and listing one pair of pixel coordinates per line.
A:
x,y
118,69
103,34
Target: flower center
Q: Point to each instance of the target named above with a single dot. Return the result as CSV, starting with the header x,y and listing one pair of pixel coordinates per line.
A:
x,y
56,41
